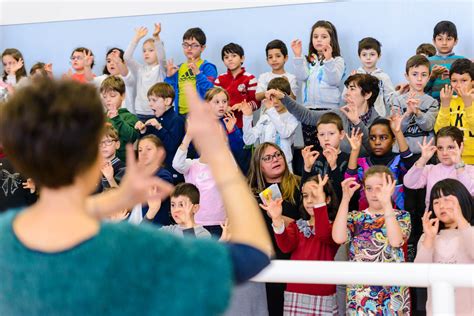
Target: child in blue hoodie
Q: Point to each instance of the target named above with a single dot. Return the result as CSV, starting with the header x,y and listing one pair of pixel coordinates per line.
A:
x,y
195,70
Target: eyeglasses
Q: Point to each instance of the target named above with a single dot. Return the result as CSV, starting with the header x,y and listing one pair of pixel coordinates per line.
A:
x,y
193,46
107,142
76,58
277,155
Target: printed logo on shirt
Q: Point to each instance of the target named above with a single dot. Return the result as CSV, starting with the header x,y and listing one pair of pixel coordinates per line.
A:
x,y
187,76
242,88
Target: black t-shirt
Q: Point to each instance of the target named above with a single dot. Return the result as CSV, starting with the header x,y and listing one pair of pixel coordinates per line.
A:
x,y
12,193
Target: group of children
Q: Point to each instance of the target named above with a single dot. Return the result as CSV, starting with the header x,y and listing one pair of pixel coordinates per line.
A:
x,y
368,152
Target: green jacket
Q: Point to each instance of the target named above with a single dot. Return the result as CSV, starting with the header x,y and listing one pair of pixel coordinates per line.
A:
x,y
124,123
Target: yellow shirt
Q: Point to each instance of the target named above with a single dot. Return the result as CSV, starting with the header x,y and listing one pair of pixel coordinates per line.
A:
x,y
185,75
462,118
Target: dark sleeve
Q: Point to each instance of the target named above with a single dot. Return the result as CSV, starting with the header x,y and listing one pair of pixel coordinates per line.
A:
x,y
247,261
171,137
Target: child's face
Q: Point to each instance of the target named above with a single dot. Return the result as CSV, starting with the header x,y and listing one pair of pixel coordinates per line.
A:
x,y
8,63
459,82
369,58
183,210
372,186
445,145
108,147
111,66
418,78
77,60
320,38
147,152
149,53
329,135
112,100
192,49
309,199
444,43
354,95
233,61
159,105
444,209
276,60
380,140
219,104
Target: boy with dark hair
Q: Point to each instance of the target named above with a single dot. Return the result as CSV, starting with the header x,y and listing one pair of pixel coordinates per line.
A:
x,y
239,84
369,51
445,37
426,49
112,91
419,109
195,70
167,125
458,110
277,55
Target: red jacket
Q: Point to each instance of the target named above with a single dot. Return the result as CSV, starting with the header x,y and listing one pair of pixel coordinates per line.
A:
x,y
318,247
240,88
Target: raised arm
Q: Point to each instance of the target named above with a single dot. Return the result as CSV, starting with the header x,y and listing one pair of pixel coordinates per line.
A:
x,y
128,55
301,113
180,162
339,227
300,65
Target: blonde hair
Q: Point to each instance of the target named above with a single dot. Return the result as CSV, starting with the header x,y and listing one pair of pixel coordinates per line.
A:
x,y
211,93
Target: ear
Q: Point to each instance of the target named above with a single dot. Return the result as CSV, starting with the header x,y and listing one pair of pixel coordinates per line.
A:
x,y
343,134
455,42
328,199
203,47
367,95
406,76
117,145
122,97
195,208
243,59
286,58
168,101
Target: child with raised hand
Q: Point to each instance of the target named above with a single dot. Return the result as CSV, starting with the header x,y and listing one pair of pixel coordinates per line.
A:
x,y
322,69
369,51
196,71
14,72
458,110
375,234
382,135
184,206
82,62
448,235
151,72
240,84
449,147
41,70
112,92
308,238
419,109
275,125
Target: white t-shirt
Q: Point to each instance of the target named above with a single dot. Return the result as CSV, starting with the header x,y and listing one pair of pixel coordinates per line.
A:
x,y
266,77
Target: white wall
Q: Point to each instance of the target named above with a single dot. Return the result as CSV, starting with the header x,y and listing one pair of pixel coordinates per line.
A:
x,y
400,25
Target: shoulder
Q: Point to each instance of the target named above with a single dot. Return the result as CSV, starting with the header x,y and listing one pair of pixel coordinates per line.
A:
x,y
206,65
165,174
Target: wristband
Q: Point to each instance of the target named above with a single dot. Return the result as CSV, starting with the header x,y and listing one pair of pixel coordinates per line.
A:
x,y
459,165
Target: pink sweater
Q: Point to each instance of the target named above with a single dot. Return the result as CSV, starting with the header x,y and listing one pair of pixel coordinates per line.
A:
x,y
429,175
211,207
451,246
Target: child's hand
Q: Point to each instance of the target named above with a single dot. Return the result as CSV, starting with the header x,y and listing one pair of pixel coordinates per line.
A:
x,y
456,153
396,120
17,66
412,105
268,103
437,71
194,68
140,33
327,52
274,93
349,186
296,46
229,121
386,190
351,112
309,157
225,236
446,95
427,150
317,189
107,170
153,122
353,72
171,68
49,69
112,112
157,31
140,127
355,140
467,95
88,58
402,88
237,106
330,153
29,184
274,209
246,108
457,212
154,204
430,226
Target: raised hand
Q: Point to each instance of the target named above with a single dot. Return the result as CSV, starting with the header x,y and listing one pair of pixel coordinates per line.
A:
x,y
296,46
331,153
446,94
412,105
171,68
273,93
402,88
140,126
49,69
29,184
467,95
427,150
140,33
349,186
153,122
396,120
194,68
456,153
246,108
274,208
229,121
437,71
268,103
355,140
351,111
88,58
327,52
386,190
17,66
112,112
153,202
309,157
225,236
157,31
317,189
430,226
107,170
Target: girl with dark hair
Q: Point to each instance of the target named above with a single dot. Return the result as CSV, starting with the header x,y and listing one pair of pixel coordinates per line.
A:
x,y
448,235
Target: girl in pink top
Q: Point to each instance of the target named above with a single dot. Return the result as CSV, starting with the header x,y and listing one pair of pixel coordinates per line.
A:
x,y
449,236
449,146
211,213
